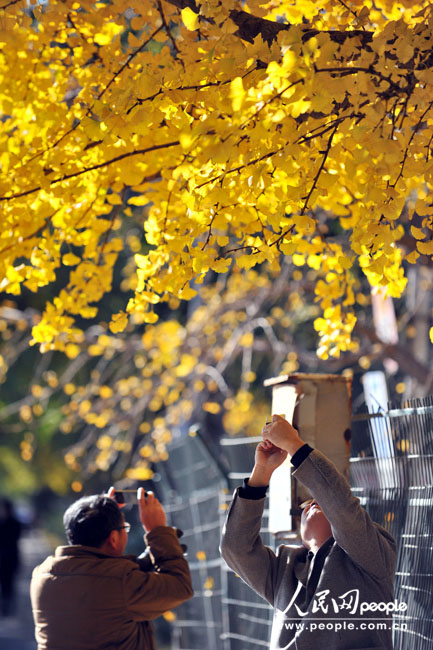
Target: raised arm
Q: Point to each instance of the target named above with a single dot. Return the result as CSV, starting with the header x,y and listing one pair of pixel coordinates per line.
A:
x,y
368,544
241,544
150,594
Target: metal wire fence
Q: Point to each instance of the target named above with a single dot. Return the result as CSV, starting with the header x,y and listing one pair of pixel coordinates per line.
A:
x,y
391,473
224,612
191,485
247,617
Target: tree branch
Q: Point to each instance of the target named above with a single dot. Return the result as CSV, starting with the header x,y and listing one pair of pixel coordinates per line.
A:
x,y
319,171
67,177
10,4
250,26
167,28
399,353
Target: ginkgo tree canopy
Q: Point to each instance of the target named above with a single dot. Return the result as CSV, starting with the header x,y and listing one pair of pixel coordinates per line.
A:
x,y
233,128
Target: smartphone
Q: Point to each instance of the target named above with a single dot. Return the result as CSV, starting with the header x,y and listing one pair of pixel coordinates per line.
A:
x,y
269,417
125,496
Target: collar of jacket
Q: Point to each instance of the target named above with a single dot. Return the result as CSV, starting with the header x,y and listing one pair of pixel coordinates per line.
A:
x,y
77,550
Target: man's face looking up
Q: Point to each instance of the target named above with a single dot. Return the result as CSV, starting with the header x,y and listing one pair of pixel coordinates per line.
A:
x,y
315,528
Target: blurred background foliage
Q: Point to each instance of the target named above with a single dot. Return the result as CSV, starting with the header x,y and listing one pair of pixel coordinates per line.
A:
x,y
106,411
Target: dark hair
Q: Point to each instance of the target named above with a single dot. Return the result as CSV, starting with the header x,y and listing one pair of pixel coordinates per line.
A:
x,y
90,520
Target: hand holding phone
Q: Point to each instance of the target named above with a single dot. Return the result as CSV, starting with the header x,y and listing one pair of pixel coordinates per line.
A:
x,y
122,497
151,512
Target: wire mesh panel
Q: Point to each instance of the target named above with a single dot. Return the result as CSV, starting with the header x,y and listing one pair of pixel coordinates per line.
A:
x,y
199,621
392,474
247,618
191,484
225,614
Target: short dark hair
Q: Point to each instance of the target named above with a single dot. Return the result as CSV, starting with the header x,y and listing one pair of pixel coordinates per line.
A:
x,y
90,520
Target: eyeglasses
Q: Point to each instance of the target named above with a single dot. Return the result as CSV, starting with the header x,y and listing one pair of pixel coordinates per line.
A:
x,y
126,526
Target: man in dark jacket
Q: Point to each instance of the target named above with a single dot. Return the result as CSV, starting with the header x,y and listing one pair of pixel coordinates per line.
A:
x,y
90,596
335,591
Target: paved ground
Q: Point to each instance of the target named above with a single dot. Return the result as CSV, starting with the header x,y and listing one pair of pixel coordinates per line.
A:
x,y
17,632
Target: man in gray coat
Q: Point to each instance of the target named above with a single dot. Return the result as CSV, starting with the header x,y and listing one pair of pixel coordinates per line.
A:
x,y
334,592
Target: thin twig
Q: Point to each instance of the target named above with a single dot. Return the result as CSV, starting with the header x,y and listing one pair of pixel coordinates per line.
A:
x,y
168,30
237,169
316,178
128,61
349,10
141,101
36,233
209,234
89,110
406,152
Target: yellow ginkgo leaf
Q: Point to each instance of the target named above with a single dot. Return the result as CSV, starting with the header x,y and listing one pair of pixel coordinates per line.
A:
x,y
118,322
211,407
70,259
189,18
417,232
425,248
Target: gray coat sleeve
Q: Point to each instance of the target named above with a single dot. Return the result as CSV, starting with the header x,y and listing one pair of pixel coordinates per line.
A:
x,y
369,545
242,547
